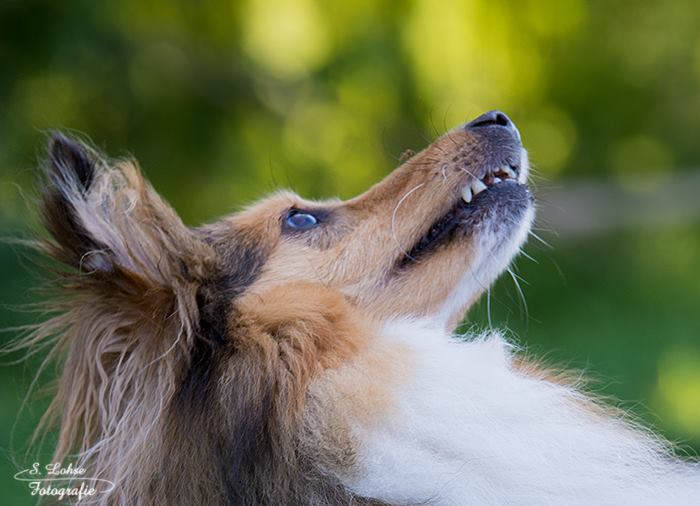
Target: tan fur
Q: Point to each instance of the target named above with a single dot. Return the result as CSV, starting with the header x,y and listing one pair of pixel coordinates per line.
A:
x,y
311,328
375,229
202,365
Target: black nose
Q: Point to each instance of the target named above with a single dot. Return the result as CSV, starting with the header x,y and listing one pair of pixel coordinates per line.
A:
x,y
494,119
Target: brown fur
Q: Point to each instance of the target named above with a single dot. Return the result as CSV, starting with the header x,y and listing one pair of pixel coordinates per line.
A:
x,y
201,366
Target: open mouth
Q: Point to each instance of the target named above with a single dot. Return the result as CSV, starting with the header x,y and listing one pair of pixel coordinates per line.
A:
x,y
491,178
502,180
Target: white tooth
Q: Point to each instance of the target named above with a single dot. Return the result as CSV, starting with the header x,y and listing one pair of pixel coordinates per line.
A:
x,y
496,180
478,186
467,194
510,172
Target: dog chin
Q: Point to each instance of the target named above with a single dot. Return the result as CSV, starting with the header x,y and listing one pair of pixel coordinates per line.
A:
x,y
495,250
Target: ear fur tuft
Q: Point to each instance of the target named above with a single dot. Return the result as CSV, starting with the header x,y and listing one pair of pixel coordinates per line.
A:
x,y
72,159
103,216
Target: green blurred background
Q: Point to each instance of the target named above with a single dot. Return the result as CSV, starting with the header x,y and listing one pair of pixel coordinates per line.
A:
x,y
223,101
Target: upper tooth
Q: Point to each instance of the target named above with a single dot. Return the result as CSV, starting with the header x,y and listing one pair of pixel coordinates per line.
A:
x,y
496,180
478,186
467,194
510,172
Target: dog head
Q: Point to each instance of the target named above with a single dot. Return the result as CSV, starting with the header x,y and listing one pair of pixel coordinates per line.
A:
x,y
426,241
167,327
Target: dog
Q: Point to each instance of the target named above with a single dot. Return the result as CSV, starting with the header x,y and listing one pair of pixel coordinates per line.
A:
x,y
302,352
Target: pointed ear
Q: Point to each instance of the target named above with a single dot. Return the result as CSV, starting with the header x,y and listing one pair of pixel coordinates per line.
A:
x,y
109,226
127,301
69,174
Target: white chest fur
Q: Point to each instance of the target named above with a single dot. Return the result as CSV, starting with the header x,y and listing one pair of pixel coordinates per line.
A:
x,y
468,428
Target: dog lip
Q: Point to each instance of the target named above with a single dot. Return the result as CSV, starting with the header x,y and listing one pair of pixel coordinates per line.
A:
x,y
462,215
503,165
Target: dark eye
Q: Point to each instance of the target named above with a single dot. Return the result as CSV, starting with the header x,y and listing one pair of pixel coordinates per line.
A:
x,y
301,220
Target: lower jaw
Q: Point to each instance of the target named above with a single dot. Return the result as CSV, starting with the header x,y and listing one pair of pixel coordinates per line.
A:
x,y
460,215
491,259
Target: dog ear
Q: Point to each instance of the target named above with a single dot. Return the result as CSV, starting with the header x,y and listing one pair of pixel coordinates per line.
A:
x,y
122,246
69,173
106,217
128,280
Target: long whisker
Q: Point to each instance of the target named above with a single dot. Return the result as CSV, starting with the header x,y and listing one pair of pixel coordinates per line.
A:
x,y
521,295
393,218
541,240
523,253
513,268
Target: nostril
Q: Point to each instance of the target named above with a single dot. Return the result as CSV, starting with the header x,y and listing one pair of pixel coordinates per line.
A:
x,y
491,118
501,119
494,119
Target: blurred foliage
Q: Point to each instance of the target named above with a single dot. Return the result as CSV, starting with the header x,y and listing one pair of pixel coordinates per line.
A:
x,y
223,101
237,97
